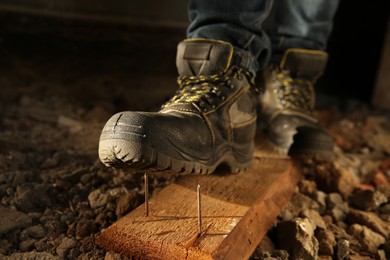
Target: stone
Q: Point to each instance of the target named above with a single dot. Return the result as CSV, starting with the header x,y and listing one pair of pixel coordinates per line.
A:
x,y
381,255
369,240
33,255
42,245
85,227
334,178
307,187
20,177
54,228
280,254
320,198
367,199
73,253
36,231
343,249
381,139
300,202
87,244
12,219
297,238
386,248
75,175
5,246
27,245
385,209
265,255
370,220
326,241
126,203
63,248
314,217
113,256
68,122
50,162
98,199
98,114
337,207
17,157
32,197
266,244
333,200
380,179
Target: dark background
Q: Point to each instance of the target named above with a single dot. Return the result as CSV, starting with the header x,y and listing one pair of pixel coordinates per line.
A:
x,y
140,38
355,47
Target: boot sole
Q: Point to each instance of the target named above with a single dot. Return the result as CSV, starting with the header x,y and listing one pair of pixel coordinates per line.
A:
x,y
318,149
121,153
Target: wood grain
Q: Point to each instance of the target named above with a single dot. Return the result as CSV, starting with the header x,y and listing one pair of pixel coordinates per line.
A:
x,y
237,209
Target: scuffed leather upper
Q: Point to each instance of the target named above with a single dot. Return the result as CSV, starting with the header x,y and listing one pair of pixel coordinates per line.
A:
x,y
212,113
288,99
203,57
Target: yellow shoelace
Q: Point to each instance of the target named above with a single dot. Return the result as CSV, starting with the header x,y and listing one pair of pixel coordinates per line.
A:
x,y
293,93
205,91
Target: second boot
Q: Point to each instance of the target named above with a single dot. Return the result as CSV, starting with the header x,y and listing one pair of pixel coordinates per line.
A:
x,y
287,104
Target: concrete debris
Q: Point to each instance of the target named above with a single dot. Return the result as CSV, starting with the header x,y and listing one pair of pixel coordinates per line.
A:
x,y
370,220
12,219
326,240
367,199
370,240
343,249
334,178
297,238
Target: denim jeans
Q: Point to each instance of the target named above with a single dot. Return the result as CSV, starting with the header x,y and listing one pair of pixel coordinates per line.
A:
x,y
290,24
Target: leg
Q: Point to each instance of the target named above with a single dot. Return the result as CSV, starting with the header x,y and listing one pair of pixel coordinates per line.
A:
x,y
236,22
304,24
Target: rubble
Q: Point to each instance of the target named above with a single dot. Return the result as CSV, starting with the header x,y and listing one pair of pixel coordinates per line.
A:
x,y
297,238
370,220
369,239
334,178
12,219
367,199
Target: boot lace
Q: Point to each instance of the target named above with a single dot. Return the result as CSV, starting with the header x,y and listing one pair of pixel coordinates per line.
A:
x,y
293,93
205,91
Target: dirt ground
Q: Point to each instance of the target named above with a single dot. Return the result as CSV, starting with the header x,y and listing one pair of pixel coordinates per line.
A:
x,y
60,82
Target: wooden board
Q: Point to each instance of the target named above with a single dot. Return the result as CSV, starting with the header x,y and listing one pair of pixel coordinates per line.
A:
x,y
237,209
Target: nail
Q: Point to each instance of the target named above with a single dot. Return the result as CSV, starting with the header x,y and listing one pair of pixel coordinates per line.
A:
x,y
146,194
199,211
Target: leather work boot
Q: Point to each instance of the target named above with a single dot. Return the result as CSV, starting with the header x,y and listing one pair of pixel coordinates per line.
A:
x,y
287,105
210,121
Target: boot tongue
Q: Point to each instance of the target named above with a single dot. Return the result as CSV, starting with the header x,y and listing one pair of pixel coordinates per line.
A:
x,y
197,57
307,64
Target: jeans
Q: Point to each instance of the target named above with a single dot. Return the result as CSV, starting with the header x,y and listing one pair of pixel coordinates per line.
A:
x,y
302,24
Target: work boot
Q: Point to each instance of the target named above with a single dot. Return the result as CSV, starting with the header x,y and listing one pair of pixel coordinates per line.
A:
x,y
287,104
211,120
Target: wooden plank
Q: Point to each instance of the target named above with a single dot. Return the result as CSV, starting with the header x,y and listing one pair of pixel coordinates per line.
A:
x,y
381,95
237,209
